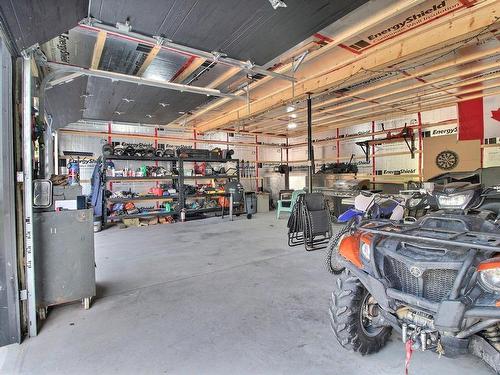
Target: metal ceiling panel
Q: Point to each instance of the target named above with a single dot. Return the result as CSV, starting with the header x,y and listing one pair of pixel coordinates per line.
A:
x,y
65,102
210,74
122,56
31,22
165,65
246,30
74,47
127,102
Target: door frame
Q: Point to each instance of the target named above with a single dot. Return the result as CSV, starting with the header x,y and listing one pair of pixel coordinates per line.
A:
x,y
10,321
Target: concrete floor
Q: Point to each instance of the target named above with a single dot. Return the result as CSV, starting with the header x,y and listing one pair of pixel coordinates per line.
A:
x,y
207,297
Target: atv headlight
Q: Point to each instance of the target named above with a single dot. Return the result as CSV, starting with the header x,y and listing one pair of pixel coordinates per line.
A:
x,y
365,246
365,250
454,201
489,274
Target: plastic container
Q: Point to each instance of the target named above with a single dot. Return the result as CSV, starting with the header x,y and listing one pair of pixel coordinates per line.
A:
x,y
251,203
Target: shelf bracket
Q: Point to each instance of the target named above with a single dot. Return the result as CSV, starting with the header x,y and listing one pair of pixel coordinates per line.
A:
x,y
366,149
410,145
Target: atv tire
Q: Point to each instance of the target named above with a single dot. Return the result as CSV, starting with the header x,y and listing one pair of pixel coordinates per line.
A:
x,y
346,306
332,260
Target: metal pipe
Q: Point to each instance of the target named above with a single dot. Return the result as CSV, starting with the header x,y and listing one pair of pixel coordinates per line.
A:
x,y
47,167
483,312
310,149
439,241
412,300
476,328
48,140
92,24
140,80
461,274
28,195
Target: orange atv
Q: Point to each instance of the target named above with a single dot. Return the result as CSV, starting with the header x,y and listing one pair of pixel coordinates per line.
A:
x,y
435,281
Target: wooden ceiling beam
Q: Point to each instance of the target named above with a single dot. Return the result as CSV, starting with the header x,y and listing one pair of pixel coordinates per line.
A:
x,y
148,60
436,103
391,103
356,100
408,46
187,69
394,102
98,48
366,24
231,72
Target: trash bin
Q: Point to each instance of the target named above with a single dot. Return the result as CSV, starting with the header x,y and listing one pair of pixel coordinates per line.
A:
x,y
251,203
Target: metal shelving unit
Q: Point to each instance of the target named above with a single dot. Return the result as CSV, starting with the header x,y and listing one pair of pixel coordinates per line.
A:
x,y
180,178
126,179
235,177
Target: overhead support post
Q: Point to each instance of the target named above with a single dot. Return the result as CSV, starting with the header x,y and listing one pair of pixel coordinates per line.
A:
x,y
28,194
310,149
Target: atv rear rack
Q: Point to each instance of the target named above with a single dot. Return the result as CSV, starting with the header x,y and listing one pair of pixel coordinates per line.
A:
x,y
467,239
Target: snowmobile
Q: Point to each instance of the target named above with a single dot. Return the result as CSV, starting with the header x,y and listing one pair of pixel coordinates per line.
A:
x,y
435,281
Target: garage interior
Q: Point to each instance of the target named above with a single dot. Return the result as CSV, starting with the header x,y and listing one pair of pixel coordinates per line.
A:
x,y
165,163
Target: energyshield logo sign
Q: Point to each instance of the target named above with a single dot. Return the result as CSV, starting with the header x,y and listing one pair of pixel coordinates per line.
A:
x,y
414,17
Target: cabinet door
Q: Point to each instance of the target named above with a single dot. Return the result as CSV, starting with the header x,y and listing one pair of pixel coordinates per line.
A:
x,y
64,256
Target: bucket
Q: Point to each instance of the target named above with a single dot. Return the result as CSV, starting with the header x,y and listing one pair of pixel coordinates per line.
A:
x,y
97,224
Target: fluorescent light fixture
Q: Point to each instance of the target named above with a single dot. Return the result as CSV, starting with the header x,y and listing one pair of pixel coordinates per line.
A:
x,y
290,108
292,125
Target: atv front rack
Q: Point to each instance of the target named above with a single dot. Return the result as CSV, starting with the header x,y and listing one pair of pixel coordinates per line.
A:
x,y
467,239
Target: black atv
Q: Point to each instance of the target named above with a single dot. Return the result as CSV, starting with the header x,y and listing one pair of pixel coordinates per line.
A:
x,y
435,281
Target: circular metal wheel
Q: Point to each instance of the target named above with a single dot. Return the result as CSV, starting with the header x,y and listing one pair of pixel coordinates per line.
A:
x,y
369,315
447,160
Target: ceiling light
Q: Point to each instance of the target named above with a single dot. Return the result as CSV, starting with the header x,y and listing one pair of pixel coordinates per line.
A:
x,y
163,104
292,115
292,125
128,100
86,95
277,4
149,116
119,113
290,108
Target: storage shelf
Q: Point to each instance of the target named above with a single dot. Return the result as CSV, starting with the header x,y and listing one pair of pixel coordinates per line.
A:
x,y
139,199
141,179
142,214
210,209
194,160
209,177
206,195
138,158
180,198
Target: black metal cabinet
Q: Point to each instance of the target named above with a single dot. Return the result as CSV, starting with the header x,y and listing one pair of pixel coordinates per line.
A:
x,y
64,258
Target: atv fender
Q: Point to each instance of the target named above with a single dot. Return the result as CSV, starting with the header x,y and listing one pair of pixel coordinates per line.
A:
x,y
376,288
349,214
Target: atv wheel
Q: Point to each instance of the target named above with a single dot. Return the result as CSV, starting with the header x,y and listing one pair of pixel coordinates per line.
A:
x,y
333,258
353,316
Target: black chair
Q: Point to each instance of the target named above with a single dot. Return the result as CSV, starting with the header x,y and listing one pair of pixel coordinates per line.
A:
x,y
310,222
317,223
295,224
